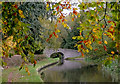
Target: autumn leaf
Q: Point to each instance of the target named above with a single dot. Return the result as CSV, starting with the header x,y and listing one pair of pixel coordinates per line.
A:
x,y
14,14
105,42
26,36
28,73
72,19
47,5
113,57
103,26
75,12
26,69
85,41
50,36
89,42
80,33
82,46
79,41
94,30
55,25
63,20
20,12
79,47
109,21
75,45
114,23
82,54
55,35
105,48
95,49
87,50
59,21
5,22
65,25
57,8
60,17
35,62
57,30
100,42
112,52
79,15
47,40
73,37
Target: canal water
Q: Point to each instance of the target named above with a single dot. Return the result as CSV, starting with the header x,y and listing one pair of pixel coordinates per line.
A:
x,y
74,70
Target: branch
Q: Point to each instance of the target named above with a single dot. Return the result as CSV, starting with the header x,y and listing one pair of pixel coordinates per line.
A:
x,y
105,24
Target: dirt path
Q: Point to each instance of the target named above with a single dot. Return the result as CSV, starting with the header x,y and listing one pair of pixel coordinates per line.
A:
x,y
10,77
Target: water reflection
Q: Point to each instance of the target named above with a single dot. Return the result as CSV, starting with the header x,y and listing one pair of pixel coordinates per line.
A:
x,y
72,71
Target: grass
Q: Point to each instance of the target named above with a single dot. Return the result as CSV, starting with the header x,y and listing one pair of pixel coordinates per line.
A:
x,y
14,75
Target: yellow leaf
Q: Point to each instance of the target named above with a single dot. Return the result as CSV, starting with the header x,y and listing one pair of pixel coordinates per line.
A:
x,y
94,30
73,37
65,25
62,23
96,19
82,38
26,69
20,12
58,30
87,50
89,42
55,25
19,40
19,23
72,15
28,73
65,20
75,45
72,19
90,47
83,3
79,47
105,42
89,20
22,16
47,5
112,52
83,50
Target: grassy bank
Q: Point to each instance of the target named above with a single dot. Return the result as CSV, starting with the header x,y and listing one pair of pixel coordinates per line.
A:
x,y
14,75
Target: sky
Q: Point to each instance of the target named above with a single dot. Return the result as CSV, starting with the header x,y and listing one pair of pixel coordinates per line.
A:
x,y
65,11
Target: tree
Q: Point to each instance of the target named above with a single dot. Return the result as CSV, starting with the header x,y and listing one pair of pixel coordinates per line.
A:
x,y
98,25
19,34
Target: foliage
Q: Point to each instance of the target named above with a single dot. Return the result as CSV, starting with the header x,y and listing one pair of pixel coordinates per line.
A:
x,y
98,32
23,31
73,31
32,12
